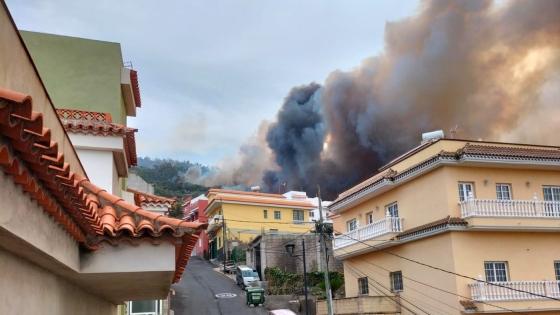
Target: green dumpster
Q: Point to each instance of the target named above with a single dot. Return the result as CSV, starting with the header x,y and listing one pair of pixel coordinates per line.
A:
x,y
255,296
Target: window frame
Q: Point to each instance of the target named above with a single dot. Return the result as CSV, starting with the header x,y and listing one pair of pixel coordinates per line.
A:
x,y
494,270
294,211
463,197
363,290
397,283
552,188
349,224
395,206
557,269
369,217
277,215
265,213
500,192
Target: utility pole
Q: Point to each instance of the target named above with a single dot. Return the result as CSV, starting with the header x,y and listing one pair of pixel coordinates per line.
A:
x,y
305,277
324,250
224,241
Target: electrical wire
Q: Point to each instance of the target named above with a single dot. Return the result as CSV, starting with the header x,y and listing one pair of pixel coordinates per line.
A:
x,y
455,273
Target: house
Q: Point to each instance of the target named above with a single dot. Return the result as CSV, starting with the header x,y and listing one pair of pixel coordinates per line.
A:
x,y
194,211
68,245
235,218
314,214
454,227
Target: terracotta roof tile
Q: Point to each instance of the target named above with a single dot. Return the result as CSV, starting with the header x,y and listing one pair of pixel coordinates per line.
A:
x,y
142,198
99,124
262,200
511,152
375,178
240,192
135,87
88,213
449,220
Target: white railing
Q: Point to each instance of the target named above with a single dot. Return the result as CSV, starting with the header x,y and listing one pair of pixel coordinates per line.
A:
x,y
510,208
523,290
372,230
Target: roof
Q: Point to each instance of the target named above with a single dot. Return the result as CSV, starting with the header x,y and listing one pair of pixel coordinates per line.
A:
x,y
135,87
441,223
99,124
88,213
242,197
469,152
142,198
240,192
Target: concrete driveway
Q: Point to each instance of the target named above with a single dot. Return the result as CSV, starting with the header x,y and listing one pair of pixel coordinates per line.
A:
x,y
196,293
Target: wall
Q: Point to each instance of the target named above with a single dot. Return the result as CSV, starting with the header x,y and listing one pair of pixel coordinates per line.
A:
x,y
247,231
79,73
102,170
29,289
376,266
17,73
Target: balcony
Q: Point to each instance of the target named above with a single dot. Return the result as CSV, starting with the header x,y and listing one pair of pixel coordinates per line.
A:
x,y
368,232
487,292
510,208
214,223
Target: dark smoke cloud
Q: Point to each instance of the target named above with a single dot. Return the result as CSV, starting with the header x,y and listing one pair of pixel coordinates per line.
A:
x,y
493,71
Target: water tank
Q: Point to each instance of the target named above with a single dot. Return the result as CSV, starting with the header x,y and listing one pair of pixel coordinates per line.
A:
x,y
432,136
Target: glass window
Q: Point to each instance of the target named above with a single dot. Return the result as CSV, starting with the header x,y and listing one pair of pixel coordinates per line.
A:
x,y
496,271
466,190
503,191
351,225
265,214
297,216
363,287
277,215
557,269
551,193
143,307
392,210
369,218
396,281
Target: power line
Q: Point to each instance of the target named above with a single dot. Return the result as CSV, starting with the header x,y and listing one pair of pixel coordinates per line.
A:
x,y
440,289
452,272
394,299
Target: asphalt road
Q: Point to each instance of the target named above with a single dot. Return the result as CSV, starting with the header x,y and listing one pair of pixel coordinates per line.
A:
x,y
196,293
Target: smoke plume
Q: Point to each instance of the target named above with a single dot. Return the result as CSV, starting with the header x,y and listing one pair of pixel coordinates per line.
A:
x,y
486,70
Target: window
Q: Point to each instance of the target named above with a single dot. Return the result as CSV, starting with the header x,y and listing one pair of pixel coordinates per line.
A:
x,y
392,210
351,225
396,281
273,230
503,191
297,216
152,307
363,287
552,193
369,218
265,214
466,190
496,271
557,269
311,214
277,215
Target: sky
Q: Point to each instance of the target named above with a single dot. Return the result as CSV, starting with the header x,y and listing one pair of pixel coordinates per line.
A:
x,y
211,71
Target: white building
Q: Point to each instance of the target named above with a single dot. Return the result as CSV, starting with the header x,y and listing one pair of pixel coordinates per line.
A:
x,y
313,214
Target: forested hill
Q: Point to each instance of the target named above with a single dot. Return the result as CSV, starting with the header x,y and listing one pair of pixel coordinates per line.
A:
x,y
168,176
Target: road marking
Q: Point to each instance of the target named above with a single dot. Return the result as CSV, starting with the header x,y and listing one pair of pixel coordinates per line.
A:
x,y
225,295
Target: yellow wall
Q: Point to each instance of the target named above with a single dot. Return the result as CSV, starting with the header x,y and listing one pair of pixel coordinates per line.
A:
x,y
435,195
246,231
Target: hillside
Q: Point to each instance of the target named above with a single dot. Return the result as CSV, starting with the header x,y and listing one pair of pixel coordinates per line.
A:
x,y
168,176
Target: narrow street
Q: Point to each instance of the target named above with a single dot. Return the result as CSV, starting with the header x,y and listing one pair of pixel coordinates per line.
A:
x,y
196,293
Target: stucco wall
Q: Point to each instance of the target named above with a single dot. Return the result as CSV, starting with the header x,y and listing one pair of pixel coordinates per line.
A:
x,y
29,289
79,73
102,163
17,73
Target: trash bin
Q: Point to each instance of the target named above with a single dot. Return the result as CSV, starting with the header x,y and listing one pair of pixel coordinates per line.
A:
x,y
255,296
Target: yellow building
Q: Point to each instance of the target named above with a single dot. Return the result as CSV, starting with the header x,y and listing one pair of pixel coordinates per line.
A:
x,y
455,227
246,215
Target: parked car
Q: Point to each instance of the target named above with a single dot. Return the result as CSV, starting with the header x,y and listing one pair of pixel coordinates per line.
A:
x,y
281,312
245,276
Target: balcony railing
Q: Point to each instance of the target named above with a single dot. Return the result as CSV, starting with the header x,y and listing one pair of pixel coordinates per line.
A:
x,y
523,290
510,208
372,230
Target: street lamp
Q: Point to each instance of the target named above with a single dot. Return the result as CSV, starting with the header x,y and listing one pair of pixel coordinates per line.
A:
x,y
290,250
